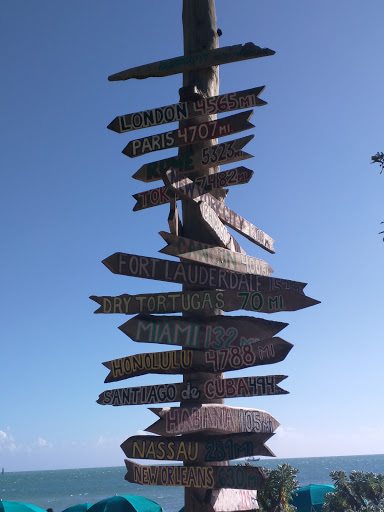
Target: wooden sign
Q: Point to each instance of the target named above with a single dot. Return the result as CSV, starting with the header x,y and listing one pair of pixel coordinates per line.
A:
x,y
194,274
173,362
210,332
234,500
206,477
184,302
194,391
196,159
222,419
192,449
162,195
186,110
200,60
191,250
190,190
213,224
190,134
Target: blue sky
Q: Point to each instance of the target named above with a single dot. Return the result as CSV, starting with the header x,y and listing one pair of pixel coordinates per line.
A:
x,y
66,205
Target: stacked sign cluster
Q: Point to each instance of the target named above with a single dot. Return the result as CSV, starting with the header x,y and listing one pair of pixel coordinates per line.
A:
x,y
222,276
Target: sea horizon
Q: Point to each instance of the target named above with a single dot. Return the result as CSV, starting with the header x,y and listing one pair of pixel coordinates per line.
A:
x,y
61,488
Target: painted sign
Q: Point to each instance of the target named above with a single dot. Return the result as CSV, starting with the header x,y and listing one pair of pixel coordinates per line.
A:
x,y
196,159
199,60
209,332
190,190
212,223
269,351
206,477
190,134
222,419
211,389
234,500
186,110
191,250
192,449
196,301
162,195
194,274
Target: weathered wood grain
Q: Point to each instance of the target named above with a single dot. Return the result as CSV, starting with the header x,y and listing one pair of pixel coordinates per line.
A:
x,y
187,110
197,301
191,250
221,419
196,159
185,362
205,276
206,477
193,192
162,195
210,332
192,448
196,133
194,391
234,500
196,61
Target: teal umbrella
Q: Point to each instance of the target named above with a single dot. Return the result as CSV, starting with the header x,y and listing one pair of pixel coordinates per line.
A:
x,y
126,503
17,506
81,507
311,497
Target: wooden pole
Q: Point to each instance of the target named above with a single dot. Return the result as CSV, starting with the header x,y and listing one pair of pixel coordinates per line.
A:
x,y
200,33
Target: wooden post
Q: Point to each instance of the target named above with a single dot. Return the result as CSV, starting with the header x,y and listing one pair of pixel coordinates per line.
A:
x,y
200,33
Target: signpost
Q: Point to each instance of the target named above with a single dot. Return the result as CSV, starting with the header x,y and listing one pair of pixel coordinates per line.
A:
x,y
158,196
206,300
200,60
197,159
191,250
210,332
269,351
217,276
190,135
195,274
192,391
191,448
186,110
220,419
206,477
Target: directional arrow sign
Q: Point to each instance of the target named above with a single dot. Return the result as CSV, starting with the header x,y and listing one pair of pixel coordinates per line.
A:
x,y
195,274
181,111
222,419
206,477
190,190
190,134
184,302
210,332
196,159
212,389
200,60
269,351
157,196
192,449
188,249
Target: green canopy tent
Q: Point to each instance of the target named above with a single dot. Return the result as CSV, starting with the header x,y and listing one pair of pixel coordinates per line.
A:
x,y
81,507
311,497
17,506
126,503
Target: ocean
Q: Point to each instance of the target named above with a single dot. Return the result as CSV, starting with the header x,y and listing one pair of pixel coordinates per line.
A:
x,y
63,488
